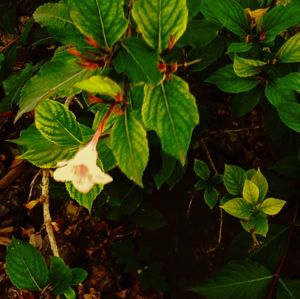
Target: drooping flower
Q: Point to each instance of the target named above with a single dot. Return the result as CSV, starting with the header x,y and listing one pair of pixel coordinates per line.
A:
x,y
82,170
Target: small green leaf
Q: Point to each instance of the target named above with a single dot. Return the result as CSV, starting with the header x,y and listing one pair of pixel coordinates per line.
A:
x,y
201,185
230,14
238,207
250,192
130,146
239,47
272,206
101,85
78,275
217,179
278,19
60,276
57,77
84,199
201,169
234,178
257,224
260,181
290,50
227,81
25,266
247,67
242,279
69,293
211,195
245,102
160,20
57,123
289,114
102,20
138,61
170,110
56,18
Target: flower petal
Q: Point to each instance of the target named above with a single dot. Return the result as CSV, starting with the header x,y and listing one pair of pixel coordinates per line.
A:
x,y
100,177
63,174
83,185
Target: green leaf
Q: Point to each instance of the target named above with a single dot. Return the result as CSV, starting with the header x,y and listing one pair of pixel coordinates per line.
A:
x,y
166,170
170,110
277,20
246,67
193,7
106,155
289,114
211,195
160,20
60,276
206,30
101,85
41,152
272,206
56,77
56,18
78,275
25,266
234,178
57,123
239,47
288,166
227,81
260,181
279,93
231,14
14,84
130,147
292,80
201,169
238,207
201,185
257,224
138,61
290,50
84,199
102,20
245,102
69,293
288,289
237,279
250,192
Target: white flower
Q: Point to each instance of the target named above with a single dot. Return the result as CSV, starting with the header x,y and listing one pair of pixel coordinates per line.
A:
x,y
82,170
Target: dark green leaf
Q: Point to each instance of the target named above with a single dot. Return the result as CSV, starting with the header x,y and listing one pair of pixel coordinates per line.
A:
x,y
25,266
238,280
288,289
193,7
211,195
138,61
257,224
239,47
78,275
227,81
234,178
201,169
289,114
288,166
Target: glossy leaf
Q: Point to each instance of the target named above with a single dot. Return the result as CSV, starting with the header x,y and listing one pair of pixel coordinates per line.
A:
x,y
201,169
290,50
69,293
237,279
277,20
250,192
211,195
272,206
238,207
102,20
60,276
260,181
84,199
130,147
170,110
160,20
289,114
101,85
57,123
56,77
234,178
56,18
25,266
230,14
246,67
138,61
227,81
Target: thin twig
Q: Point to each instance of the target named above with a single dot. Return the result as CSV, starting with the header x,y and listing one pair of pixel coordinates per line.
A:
x,y
276,275
233,131
46,212
9,44
213,167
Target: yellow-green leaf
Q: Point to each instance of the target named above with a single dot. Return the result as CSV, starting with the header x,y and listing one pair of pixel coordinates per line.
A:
x,y
250,192
290,50
272,206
